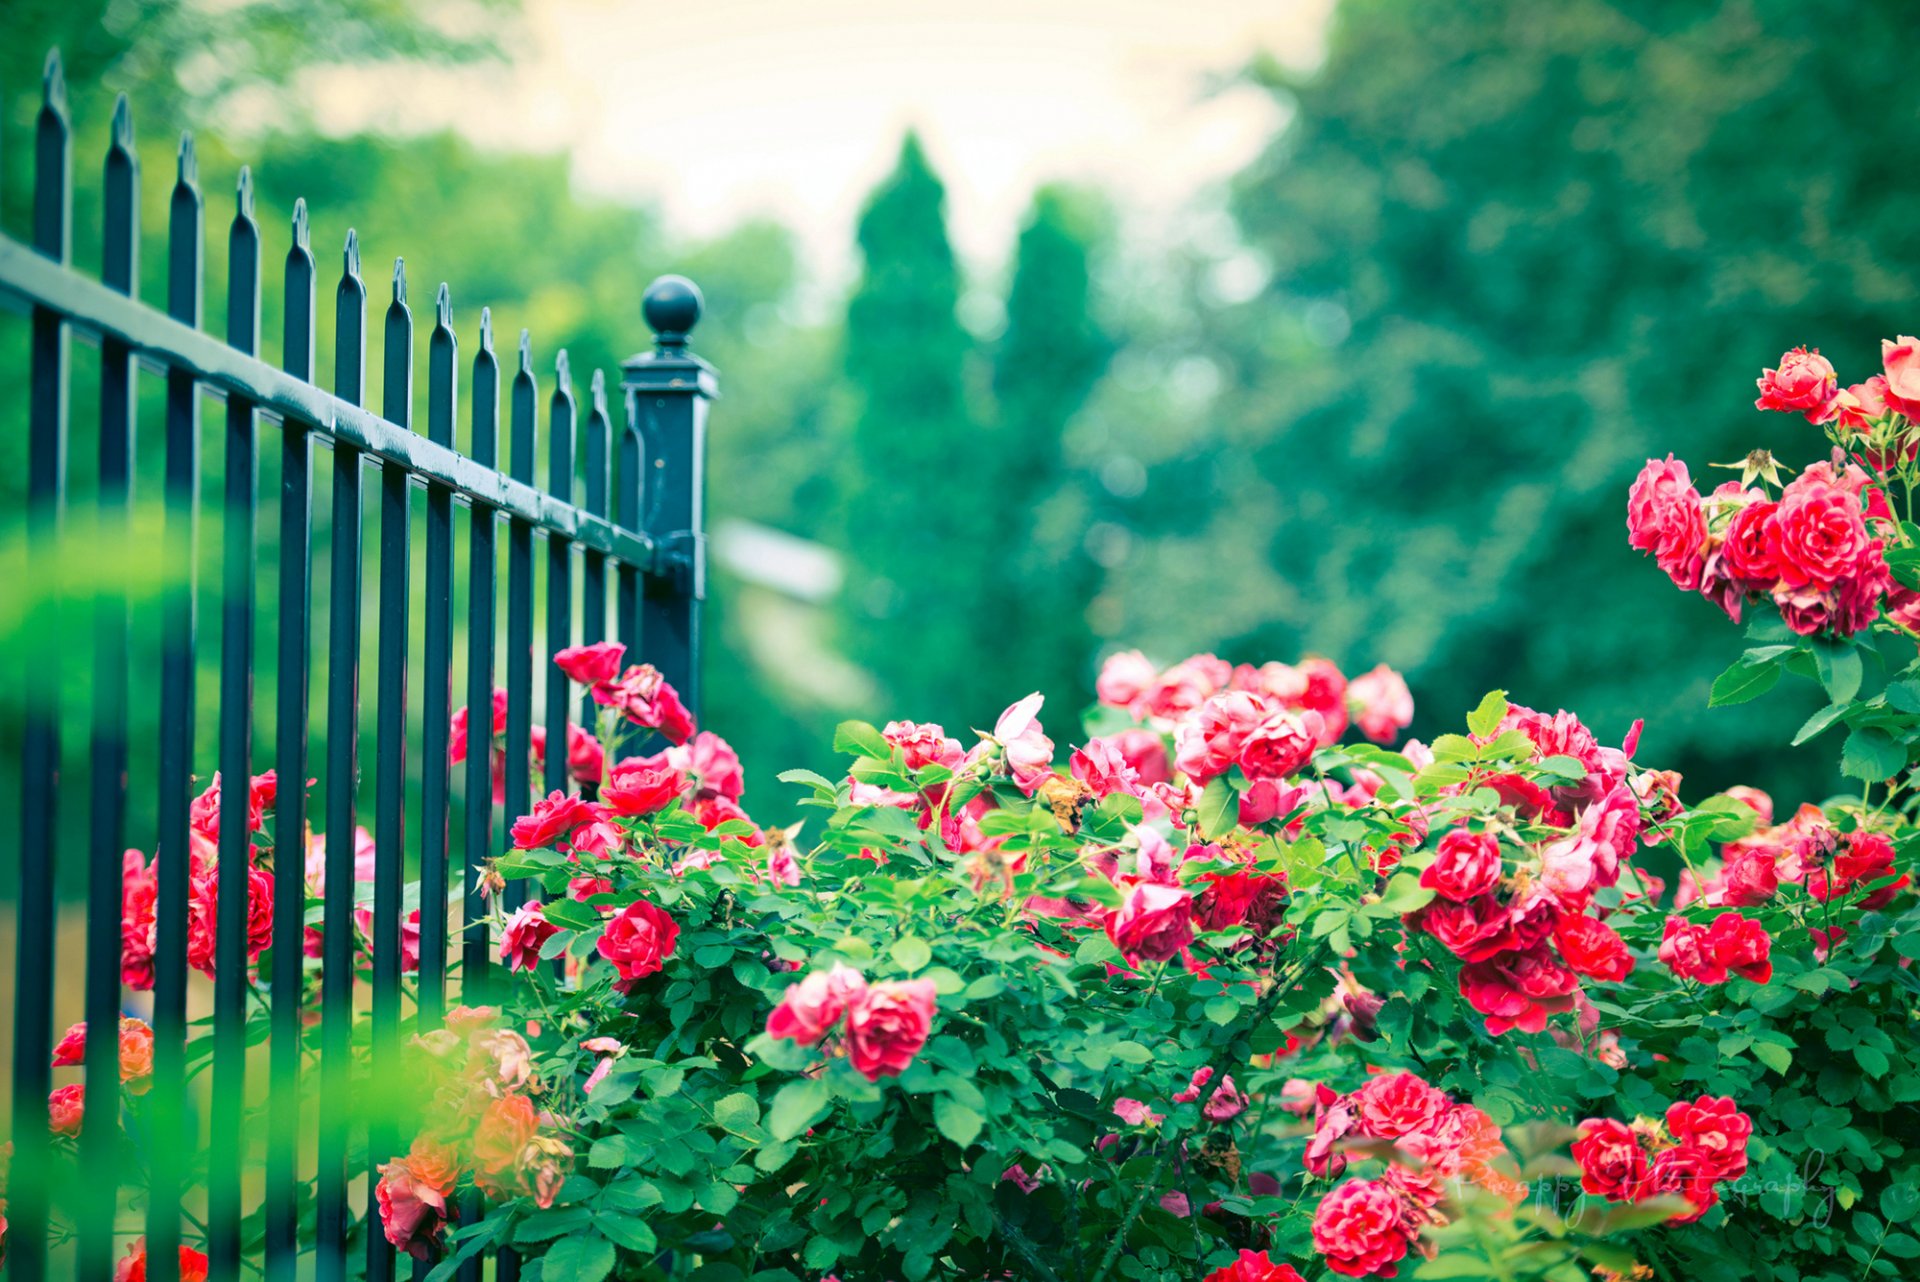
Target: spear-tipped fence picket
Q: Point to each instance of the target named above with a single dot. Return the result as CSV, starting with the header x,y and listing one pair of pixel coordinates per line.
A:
x,y
638,520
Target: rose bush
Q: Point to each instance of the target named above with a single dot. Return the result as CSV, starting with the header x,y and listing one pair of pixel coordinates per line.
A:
x,y
1221,984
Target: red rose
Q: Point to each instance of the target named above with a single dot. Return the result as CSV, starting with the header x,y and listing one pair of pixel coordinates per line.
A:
x,y
591,665
1590,947
1282,744
1612,1163
639,786
1154,923
552,819
638,940
1818,536
1866,857
1805,381
1741,946
1394,1104
1901,359
1716,1127
1748,877
413,1210
809,1009
1241,899
887,1025
1518,989
1688,1171
1361,1229
1683,947
1472,931
133,1265
1255,1267
527,931
1466,866
1664,517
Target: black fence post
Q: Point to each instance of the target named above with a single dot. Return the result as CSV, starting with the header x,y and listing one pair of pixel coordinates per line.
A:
x,y
668,390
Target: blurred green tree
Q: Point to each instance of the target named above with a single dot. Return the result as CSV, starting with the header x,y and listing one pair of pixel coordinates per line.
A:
x,y
1044,367
918,508
1515,250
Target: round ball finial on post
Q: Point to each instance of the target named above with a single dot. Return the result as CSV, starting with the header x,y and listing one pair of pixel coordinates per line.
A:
x,y
671,308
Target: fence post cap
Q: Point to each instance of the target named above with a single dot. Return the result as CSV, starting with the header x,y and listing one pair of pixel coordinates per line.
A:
x,y
671,308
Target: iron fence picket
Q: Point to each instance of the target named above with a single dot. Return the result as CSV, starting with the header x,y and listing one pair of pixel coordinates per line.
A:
x,y
593,562
561,411
99,1190
343,738
436,708
40,737
282,1240
185,291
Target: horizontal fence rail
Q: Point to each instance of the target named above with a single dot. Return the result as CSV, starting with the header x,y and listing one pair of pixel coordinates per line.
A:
x,y
621,500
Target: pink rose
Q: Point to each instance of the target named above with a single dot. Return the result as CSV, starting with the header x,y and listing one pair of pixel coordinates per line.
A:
x,y
1716,1127
1664,517
1804,381
1029,751
1612,1163
639,786
923,744
1466,866
1391,1105
66,1109
1209,743
1125,678
1103,767
887,1024
591,665
1360,1229
526,932
1383,704
1901,358
1684,950
1742,946
1154,923
643,697
1818,536
1282,744
586,759
413,1210
809,1009
711,760
638,940
1145,753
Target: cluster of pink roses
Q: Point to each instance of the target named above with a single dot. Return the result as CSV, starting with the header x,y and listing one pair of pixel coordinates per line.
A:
x,y
140,888
1700,1146
586,758
66,1105
1808,850
882,1025
1364,1227
637,693
1528,935
1818,550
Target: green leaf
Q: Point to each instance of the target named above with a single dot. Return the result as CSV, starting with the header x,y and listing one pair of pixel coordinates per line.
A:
x,y
572,914
1743,681
1223,1009
797,1106
1872,755
956,1121
1838,663
737,1111
1777,1058
629,1231
861,738
808,777
1486,718
911,952
1219,809
583,1257
1904,695
1820,721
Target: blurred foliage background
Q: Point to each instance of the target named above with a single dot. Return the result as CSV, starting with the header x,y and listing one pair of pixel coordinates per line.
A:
x,y
1499,254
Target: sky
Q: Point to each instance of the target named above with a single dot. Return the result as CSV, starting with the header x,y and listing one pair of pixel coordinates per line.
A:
x,y
723,110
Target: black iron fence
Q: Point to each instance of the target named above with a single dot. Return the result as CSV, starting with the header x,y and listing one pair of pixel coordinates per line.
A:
x,y
626,514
